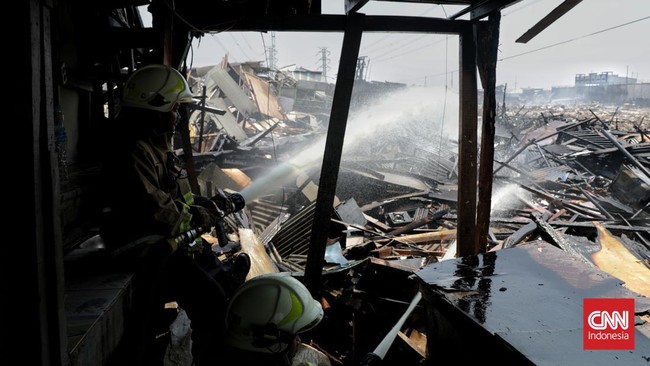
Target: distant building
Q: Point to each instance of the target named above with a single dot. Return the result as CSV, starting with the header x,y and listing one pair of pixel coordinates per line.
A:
x,y
604,78
300,73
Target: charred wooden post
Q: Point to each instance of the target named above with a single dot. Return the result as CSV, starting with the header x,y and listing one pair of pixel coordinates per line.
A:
x,y
39,322
556,238
488,42
467,146
333,150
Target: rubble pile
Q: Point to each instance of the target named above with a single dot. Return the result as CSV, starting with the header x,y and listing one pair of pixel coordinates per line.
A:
x,y
575,177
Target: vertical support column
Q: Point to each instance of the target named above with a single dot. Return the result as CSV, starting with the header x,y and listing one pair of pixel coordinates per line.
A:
x,y
333,150
32,265
488,42
53,240
467,146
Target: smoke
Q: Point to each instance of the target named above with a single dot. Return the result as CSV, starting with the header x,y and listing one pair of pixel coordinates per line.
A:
x,y
421,114
417,112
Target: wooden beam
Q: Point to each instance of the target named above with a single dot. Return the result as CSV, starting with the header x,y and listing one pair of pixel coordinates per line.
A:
x,y
333,151
125,38
467,146
549,19
337,23
352,6
481,9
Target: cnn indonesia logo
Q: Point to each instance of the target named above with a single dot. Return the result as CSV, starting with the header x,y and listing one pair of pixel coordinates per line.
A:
x,y
608,324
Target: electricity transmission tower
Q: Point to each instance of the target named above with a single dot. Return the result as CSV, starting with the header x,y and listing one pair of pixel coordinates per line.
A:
x,y
324,58
272,52
362,65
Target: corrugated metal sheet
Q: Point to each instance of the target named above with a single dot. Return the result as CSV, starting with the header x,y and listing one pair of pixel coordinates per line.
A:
x,y
228,121
295,234
218,77
267,101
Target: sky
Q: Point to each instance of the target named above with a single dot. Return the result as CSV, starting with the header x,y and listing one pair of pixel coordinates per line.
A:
x,y
595,36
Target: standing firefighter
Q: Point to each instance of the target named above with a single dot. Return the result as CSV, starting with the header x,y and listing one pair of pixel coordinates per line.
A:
x,y
152,216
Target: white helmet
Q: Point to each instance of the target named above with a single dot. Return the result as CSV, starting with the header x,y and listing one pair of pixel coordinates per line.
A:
x,y
268,311
156,87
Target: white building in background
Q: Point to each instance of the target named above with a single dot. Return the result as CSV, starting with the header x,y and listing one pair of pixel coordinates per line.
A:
x,y
603,78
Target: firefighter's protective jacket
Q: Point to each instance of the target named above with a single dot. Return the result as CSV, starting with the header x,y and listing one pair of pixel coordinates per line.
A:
x,y
149,194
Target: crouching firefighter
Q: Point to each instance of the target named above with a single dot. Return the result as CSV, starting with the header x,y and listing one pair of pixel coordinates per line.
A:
x,y
265,319
152,220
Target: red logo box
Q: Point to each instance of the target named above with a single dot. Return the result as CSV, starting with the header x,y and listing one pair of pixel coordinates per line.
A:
x,y
608,324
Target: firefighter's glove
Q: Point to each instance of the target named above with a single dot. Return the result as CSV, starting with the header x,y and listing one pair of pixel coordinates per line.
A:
x,y
202,217
228,203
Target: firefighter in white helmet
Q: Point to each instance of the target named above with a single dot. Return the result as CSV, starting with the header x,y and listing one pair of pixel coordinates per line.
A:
x,y
149,206
264,319
156,87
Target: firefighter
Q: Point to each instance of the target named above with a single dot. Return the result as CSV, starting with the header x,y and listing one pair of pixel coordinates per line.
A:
x,y
150,210
265,318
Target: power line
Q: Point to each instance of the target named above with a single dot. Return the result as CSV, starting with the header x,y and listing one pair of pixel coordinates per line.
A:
x,y
545,47
574,39
238,46
419,49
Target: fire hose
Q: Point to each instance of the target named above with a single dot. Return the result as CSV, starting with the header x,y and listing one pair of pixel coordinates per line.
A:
x,y
377,356
221,205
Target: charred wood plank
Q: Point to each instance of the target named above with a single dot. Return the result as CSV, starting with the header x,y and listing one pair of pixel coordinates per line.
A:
x,y
568,205
337,23
626,153
569,224
640,131
520,235
557,238
533,141
640,210
541,152
549,19
580,138
377,224
596,203
421,238
373,205
639,236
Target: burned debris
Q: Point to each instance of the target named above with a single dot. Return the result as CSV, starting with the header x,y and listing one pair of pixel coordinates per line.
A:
x,y
572,181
